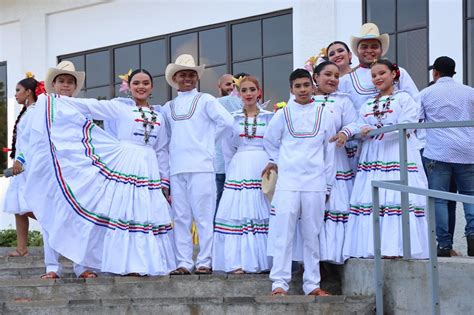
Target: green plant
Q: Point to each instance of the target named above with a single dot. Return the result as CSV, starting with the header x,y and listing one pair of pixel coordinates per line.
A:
x,y
8,238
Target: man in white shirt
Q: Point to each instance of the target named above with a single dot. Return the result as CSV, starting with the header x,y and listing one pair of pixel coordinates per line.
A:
x,y
195,121
297,140
449,151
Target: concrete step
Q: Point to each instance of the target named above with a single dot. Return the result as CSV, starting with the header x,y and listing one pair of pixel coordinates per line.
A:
x,y
216,285
261,305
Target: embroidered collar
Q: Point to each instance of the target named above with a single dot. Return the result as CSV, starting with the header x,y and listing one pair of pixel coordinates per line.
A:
x,y
303,133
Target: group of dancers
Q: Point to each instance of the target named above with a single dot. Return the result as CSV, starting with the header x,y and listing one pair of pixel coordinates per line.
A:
x,y
123,199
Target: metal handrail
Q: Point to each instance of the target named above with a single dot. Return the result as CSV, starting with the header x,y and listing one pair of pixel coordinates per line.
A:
x,y
402,186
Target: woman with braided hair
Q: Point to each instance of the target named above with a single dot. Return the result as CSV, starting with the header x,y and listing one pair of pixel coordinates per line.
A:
x,y
27,91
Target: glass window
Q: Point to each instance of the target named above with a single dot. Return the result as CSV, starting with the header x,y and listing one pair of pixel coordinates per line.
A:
x,y
413,53
277,35
78,62
247,40
184,44
470,8
208,82
392,49
125,58
254,41
411,14
98,69
276,71
213,47
382,13
4,142
153,57
470,53
160,91
100,93
252,67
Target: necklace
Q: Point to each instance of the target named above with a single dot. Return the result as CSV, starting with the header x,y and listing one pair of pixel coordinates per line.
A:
x,y
254,124
147,124
379,114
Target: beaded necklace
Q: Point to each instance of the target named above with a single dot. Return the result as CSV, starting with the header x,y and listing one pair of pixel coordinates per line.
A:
x,y
147,124
379,114
254,124
326,97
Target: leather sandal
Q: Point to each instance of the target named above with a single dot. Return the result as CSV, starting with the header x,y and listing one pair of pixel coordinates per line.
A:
x,y
88,274
203,271
17,253
180,271
319,292
279,292
49,275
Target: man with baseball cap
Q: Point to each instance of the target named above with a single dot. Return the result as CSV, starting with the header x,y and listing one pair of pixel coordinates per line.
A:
x,y
449,151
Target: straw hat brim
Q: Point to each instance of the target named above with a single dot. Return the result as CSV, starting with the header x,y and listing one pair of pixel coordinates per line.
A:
x,y
269,184
172,68
384,40
54,72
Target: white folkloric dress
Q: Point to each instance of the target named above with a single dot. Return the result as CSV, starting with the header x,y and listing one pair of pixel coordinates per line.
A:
x,y
333,232
379,160
241,222
99,197
358,84
15,202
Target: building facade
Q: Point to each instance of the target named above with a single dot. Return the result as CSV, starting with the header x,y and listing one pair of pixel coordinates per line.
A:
x,y
267,38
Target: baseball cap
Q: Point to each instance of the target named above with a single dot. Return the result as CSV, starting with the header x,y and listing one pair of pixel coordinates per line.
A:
x,y
444,65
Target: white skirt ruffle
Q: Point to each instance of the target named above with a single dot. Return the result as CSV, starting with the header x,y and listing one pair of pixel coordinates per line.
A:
x,y
379,160
99,199
241,223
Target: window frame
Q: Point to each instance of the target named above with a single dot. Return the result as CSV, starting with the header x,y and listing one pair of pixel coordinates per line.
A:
x,y
5,98
465,46
167,37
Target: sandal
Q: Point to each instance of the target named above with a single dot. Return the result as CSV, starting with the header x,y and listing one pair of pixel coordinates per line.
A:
x,y
88,274
180,271
17,253
238,272
319,292
279,292
203,271
49,275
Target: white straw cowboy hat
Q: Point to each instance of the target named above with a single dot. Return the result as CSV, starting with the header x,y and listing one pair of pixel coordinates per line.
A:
x,y
183,62
268,184
64,67
370,31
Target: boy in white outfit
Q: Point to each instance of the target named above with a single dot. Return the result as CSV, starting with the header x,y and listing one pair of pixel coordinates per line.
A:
x,y
195,120
297,140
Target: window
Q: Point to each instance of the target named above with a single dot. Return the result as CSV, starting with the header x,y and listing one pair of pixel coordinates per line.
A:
x,y
469,42
3,115
261,46
406,22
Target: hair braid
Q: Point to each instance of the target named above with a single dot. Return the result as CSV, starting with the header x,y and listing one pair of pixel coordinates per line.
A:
x,y
13,151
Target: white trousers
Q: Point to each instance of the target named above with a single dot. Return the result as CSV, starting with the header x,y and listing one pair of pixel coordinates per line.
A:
x,y
289,205
193,195
51,259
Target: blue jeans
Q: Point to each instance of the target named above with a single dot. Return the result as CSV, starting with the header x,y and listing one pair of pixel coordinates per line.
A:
x,y
439,178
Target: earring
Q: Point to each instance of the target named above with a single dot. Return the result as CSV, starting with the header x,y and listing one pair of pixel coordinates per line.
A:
x,y
26,102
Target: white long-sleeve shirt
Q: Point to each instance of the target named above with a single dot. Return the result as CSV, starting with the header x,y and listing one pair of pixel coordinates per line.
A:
x,y
195,120
297,140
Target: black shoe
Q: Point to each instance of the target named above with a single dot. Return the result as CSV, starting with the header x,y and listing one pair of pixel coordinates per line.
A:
x,y
470,245
445,252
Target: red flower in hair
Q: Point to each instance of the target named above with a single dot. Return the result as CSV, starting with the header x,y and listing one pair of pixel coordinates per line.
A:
x,y
5,150
397,69
40,88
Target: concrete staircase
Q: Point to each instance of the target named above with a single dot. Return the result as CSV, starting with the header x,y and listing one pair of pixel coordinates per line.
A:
x,y
22,292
